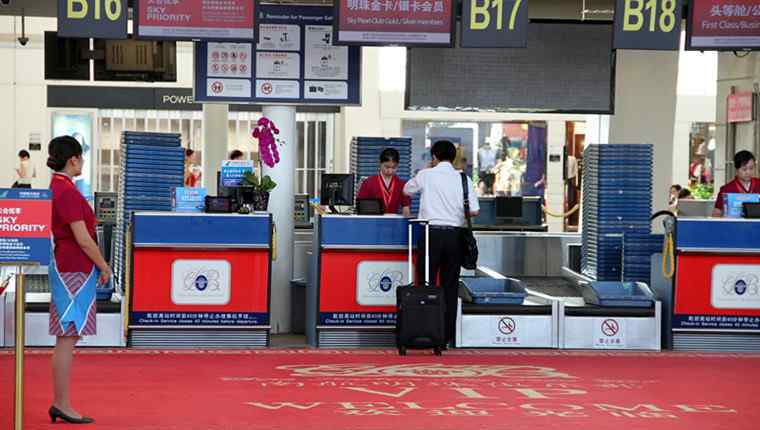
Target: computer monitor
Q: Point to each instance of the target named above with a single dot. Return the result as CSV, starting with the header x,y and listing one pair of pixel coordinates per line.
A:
x,y
695,208
509,210
369,207
337,190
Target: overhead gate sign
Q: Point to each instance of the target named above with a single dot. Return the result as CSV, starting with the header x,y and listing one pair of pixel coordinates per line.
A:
x,y
395,22
226,20
723,25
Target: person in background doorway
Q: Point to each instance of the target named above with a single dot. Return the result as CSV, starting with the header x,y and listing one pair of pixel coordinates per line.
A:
x,y
192,170
236,155
386,186
442,205
74,273
673,197
744,182
25,171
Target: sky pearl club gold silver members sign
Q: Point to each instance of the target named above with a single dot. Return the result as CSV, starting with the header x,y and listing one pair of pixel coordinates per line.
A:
x,y
494,24
647,24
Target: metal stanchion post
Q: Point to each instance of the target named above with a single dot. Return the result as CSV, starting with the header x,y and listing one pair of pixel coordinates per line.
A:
x,y
19,397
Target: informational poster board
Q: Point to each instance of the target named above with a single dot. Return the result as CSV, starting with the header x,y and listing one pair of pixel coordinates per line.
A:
x,y
395,22
25,217
718,25
294,62
219,20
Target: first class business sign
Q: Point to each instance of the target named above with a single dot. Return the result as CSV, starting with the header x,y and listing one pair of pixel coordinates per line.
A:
x,y
25,217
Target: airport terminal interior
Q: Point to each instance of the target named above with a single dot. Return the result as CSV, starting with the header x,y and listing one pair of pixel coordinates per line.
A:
x,y
380,214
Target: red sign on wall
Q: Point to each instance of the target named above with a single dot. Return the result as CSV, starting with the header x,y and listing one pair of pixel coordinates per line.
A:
x,y
722,25
395,22
216,20
740,107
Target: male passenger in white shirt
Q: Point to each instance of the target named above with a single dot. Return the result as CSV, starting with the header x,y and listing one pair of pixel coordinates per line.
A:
x,y
442,204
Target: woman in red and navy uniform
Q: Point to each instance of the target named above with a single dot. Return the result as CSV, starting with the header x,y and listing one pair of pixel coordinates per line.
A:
x,y
744,182
386,186
74,272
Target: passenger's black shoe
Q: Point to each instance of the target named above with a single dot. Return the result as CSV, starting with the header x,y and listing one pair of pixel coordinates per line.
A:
x,y
56,413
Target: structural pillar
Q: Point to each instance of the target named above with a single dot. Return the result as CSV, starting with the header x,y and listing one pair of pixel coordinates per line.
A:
x,y
215,131
281,202
645,111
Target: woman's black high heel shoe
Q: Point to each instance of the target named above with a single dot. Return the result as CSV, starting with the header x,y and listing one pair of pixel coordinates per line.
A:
x,y
57,413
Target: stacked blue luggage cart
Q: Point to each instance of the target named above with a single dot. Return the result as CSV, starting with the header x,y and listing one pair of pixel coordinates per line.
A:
x,y
152,166
617,204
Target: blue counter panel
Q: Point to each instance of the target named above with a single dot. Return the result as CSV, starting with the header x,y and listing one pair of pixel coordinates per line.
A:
x,y
716,234
201,229
364,231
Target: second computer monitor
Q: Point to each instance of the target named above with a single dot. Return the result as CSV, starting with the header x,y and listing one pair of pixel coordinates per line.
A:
x,y
509,210
337,190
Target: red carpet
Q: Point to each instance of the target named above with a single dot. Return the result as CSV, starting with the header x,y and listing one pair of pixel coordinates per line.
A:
x,y
367,390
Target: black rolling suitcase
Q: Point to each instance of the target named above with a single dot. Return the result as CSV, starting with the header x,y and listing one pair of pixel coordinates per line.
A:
x,y
420,310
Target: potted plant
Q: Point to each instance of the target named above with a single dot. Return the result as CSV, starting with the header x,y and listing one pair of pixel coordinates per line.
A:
x,y
260,190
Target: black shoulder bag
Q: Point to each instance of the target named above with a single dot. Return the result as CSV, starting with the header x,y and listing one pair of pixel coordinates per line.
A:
x,y
469,244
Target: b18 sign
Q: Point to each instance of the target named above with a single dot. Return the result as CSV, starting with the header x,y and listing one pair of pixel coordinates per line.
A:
x,y
25,217
494,24
647,24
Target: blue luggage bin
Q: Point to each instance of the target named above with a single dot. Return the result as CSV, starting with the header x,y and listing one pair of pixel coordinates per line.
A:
x,y
491,291
619,294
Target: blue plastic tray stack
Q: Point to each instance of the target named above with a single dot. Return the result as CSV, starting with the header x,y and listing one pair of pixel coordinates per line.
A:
x,y
617,204
637,256
152,165
365,159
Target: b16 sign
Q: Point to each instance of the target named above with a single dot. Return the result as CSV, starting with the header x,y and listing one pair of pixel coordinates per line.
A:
x,y
723,25
25,217
106,19
221,20
647,24
494,24
395,22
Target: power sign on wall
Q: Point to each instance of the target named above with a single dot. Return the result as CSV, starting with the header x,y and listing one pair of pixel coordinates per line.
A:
x,y
105,19
495,24
647,24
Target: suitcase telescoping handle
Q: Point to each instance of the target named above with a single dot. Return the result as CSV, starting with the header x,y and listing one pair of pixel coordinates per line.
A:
x,y
427,250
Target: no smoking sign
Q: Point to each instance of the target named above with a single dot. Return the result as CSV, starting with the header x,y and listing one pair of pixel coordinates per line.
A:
x,y
609,333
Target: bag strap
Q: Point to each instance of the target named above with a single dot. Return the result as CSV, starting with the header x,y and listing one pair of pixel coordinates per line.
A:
x,y
466,194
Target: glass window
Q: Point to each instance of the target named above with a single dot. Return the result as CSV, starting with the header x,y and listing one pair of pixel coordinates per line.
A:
x,y
503,158
702,160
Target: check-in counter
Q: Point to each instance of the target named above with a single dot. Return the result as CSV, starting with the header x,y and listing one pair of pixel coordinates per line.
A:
x,y
357,263
717,285
200,280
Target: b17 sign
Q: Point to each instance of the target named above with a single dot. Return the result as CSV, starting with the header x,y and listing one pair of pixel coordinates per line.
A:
x,y
494,24
25,217
647,24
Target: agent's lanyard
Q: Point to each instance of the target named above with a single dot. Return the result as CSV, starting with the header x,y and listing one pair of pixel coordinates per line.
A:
x,y
387,191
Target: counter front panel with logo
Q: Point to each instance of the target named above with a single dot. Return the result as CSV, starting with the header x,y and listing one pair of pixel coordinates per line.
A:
x,y
201,271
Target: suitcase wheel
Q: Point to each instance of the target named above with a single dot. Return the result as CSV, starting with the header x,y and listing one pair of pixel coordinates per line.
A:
x,y
438,350
401,350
